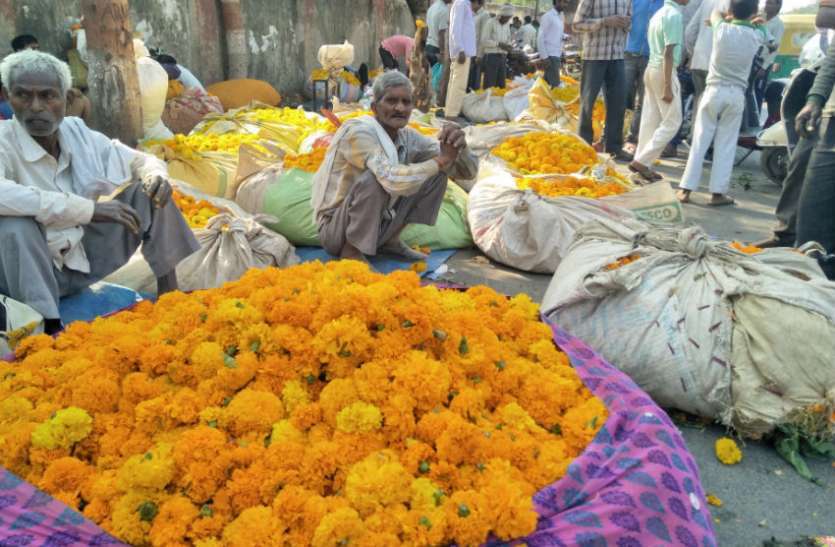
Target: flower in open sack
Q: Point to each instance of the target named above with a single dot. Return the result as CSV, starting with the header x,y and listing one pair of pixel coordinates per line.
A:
x,y
546,153
67,427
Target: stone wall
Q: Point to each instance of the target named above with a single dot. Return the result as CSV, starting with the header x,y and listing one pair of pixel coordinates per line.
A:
x,y
283,36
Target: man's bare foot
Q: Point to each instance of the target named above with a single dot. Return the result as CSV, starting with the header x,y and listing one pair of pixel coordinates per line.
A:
x,y
349,252
645,172
398,248
167,283
718,200
683,196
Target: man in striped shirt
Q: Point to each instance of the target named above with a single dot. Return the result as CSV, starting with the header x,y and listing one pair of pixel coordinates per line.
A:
x,y
604,26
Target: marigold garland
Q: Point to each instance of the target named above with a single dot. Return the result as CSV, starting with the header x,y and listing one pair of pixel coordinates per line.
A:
x,y
539,152
316,405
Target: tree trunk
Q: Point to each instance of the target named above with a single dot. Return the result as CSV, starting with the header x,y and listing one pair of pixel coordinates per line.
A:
x,y
112,76
236,48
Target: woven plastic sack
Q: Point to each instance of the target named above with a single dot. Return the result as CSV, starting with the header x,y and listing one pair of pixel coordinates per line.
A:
x,y
17,321
702,327
242,92
286,196
532,233
516,100
153,87
483,107
183,112
336,56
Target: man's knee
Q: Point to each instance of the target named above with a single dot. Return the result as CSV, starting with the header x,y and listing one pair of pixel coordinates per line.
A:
x,y
19,230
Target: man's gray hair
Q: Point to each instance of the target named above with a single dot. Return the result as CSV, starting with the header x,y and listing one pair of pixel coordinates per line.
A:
x,y
30,60
388,80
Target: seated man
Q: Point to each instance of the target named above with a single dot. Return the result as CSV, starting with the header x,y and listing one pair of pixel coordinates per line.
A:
x,y
380,175
56,237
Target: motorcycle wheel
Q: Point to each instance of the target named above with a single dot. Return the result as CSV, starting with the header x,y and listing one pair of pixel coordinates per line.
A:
x,y
774,162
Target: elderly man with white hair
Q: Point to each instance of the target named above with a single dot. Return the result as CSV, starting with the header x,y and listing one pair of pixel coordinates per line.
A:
x,y
380,175
57,234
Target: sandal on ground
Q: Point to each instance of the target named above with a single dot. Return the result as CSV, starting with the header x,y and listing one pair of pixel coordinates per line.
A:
x,y
721,201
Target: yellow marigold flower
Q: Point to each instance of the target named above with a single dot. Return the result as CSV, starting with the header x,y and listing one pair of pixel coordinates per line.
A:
x,y
377,481
359,417
341,527
171,525
467,517
727,451
14,408
546,153
714,500
426,495
285,431
152,470
293,394
747,249
254,527
126,521
65,475
66,428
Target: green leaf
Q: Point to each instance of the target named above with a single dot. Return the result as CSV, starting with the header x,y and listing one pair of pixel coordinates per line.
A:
x,y
310,379
556,429
229,361
212,423
425,522
592,423
439,334
203,317
438,495
148,456
408,324
463,511
463,346
206,511
423,467
501,365
147,511
255,347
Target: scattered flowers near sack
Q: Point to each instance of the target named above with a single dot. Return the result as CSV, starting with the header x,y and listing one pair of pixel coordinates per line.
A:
x,y
714,500
621,262
574,186
727,451
315,405
747,249
494,91
309,162
539,152
196,212
192,145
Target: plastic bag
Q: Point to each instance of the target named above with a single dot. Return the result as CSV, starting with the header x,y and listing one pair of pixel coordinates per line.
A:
x,y
184,112
702,327
336,56
483,107
17,321
153,87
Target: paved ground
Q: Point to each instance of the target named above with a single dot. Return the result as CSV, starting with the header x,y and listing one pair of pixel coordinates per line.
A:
x,y
763,498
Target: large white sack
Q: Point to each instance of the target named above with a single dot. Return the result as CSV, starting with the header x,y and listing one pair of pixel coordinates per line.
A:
x,y
532,233
516,100
233,242
483,107
153,88
483,138
746,339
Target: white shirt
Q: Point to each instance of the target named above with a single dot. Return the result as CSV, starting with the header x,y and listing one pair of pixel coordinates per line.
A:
x,y
734,48
528,36
698,36
481,19
462,29
188,79
61,194
437,19
495,33
775,30
551,32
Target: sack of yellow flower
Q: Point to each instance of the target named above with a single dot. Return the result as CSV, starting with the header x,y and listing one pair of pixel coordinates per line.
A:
x,y
239,93
232,242
317,405
208,162
343,85
561,105
481,139
186,110
285,193
483,107
701,326
17,321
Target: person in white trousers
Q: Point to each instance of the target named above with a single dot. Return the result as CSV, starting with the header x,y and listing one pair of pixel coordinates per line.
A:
x,y
462,47
661,110
736,41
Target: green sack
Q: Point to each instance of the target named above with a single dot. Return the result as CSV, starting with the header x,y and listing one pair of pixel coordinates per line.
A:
x,y
287,197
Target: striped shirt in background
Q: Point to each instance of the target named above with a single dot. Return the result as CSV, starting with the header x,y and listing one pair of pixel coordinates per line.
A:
x,y
601,43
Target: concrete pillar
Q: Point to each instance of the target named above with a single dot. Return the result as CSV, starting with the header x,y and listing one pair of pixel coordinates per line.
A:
x,y
236,49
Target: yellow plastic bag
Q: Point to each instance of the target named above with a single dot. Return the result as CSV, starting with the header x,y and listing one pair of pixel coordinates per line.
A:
x,y
562,105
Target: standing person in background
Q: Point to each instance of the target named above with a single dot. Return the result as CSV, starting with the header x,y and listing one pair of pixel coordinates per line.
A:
x,y
661,111
698,42
395,51
419,71
604,26
528,34
776,29
481,19
735,43
475,65
551,35
439,21
462,48
515,28
636,58
497,43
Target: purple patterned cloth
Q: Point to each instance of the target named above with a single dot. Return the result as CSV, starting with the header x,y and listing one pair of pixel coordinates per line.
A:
x,y
29,517
635,485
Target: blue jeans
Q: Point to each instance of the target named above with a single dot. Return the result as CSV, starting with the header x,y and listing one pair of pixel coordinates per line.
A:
x,y
552,71
611,78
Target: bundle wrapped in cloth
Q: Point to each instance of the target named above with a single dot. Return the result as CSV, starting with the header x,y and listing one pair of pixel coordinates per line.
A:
x,y
701,325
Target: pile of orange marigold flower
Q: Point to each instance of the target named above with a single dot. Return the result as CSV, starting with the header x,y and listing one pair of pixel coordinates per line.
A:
x,y
320,404
309,162
196,212
574,186
539,152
